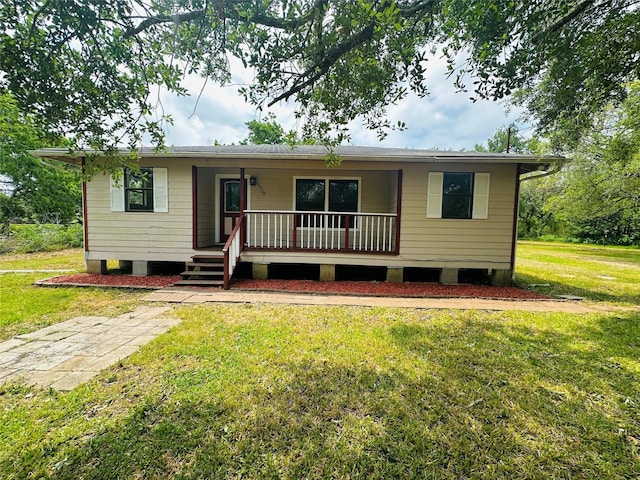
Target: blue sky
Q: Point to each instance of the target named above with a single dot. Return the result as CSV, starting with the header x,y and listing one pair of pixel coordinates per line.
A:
x,y
446,119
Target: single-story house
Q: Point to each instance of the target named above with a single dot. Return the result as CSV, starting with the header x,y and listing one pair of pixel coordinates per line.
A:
x,y
396,209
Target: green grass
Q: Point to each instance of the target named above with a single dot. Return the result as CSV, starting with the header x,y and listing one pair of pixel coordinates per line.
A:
x,y
272,391
598,273
326,392
25,307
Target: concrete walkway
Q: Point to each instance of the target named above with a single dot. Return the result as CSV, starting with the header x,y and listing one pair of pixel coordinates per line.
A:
x,y
227,296
66,354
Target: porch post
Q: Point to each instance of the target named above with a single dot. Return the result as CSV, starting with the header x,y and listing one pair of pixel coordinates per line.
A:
x,y
243,207
398,211
194,207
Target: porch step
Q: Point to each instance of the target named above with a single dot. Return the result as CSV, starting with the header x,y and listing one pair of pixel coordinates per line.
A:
x,y
203,265
202,273
205,270
219,257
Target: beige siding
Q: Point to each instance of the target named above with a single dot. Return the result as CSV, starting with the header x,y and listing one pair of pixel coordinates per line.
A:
x,y
431,243
141,235
443,242
275,188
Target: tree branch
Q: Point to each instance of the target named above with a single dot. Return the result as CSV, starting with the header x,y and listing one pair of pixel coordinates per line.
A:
x,y
561,22
322,67
177,18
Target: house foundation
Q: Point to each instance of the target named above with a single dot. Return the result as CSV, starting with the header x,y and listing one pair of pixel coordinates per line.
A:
x,y
501,278
260,271
140,268
96,266
395,274
327,273
449,276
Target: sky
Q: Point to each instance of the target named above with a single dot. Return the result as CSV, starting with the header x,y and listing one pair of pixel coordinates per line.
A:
x,y
445,119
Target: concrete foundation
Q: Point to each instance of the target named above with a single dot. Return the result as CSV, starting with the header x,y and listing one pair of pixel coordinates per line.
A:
x,y
260,271
395,274
96,266
449,276
501,278
327,273
140,268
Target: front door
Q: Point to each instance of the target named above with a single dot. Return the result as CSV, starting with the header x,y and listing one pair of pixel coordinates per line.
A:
x,y
229,206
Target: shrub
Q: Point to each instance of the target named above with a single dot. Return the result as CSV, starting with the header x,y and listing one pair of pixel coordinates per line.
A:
x,y
27,238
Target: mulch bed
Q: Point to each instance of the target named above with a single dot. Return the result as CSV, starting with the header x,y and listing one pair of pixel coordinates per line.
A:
x,y
124,281
409,289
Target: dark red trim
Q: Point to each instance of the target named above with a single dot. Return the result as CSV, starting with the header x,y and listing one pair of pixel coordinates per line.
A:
x,y
316,250
398,212
243,204
227,246
85,224
194,207
514,232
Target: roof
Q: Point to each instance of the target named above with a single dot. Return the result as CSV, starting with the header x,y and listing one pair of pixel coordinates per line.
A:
x,y
317,152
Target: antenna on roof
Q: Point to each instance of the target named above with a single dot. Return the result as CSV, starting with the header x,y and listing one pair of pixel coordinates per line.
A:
x,y
508,138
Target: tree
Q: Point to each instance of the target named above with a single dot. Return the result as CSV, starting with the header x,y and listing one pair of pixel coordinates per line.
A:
x,y
599,194
498,141
267,131
32,188
90,68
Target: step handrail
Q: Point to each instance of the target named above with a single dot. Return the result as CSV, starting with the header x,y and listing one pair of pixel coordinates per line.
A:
x,y
232,250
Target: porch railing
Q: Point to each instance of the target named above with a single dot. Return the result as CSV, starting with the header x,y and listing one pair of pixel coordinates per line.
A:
x,y
232,250
321,231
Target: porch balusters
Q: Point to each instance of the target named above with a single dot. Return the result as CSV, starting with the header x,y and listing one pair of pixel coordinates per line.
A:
x,y
321,231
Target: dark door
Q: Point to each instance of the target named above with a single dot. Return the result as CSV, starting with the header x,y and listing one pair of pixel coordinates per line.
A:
x,y
229,205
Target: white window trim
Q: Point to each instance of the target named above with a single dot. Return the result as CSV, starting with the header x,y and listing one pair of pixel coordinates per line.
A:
x,y
481,192
160,192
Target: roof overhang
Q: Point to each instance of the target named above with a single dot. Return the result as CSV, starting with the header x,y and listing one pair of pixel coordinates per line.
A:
x,y
528,163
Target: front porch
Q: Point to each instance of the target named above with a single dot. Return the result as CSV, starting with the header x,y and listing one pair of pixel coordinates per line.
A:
x,y
356,213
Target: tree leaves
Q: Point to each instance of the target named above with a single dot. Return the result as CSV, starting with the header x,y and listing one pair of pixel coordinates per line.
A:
x,y
88,68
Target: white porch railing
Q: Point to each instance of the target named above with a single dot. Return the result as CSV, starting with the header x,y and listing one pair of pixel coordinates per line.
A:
x,y
231,251
328,231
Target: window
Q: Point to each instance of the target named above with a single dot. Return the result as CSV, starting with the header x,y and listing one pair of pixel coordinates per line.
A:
x,y
138,190
321,195
458,195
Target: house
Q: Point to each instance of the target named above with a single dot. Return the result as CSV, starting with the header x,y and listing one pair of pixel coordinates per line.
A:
x,y
400,210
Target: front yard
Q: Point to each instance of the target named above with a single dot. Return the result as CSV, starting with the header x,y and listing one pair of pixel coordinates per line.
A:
x,y
267,391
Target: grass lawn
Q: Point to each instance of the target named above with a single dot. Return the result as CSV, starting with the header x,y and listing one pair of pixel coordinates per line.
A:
x,y
264,391
25,307
599,273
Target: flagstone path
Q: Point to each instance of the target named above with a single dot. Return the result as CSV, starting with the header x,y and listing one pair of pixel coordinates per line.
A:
x,y
66,354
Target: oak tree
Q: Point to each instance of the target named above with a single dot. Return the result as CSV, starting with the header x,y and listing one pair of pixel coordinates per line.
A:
x,y
90,68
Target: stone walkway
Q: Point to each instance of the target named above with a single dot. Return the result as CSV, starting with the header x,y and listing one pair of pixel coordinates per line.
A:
x,y
66,354
226,296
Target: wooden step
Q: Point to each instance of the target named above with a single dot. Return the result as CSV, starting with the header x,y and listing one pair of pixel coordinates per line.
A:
x,y
208,283
202,273
205,265
216,257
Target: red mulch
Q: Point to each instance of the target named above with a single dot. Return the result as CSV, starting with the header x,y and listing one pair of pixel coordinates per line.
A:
x,y
409,289
412,289
152,281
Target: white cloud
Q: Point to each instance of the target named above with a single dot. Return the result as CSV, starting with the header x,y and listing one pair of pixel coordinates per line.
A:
x,y
445,119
